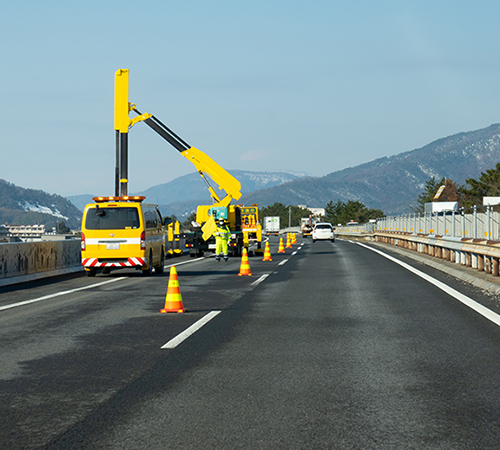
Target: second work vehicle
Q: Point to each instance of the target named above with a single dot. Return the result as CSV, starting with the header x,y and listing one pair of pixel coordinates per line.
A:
x,y
323,231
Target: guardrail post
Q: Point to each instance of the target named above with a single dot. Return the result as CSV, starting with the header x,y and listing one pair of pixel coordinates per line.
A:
x,y
487,264
475,221
453,223
494,267
488,219
480,263
462,231
474,260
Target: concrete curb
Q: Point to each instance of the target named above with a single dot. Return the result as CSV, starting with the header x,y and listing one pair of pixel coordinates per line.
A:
x,y
39,276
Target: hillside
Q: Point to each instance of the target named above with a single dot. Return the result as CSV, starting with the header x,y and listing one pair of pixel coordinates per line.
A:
x,y
393,184
182,195
22,206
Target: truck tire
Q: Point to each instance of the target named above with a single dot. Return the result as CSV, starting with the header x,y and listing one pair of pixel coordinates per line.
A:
x,y
160,267
149,268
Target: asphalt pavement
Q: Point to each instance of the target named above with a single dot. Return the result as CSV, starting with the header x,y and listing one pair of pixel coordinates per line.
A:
x,y
338,347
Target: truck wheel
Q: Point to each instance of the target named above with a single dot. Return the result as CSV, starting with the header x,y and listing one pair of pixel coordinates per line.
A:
x,y
91,272
159,267
149,268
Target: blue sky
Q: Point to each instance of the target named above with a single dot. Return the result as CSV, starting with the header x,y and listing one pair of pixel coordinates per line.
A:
x,y
309,87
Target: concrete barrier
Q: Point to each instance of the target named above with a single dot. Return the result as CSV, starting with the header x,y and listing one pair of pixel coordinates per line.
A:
x,y
25,259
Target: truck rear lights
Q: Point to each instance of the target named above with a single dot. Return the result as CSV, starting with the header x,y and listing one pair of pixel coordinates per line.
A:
x,y
143,240
83,242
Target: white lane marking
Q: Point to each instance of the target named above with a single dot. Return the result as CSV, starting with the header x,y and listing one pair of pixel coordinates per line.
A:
x,y
260,280
191,330
282,262
71,291
184,262
57,294
294,253
490,315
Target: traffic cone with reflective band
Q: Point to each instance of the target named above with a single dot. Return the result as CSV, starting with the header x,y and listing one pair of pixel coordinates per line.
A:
x,y
245,266
267,253
281,248
288,242
173,301
294,238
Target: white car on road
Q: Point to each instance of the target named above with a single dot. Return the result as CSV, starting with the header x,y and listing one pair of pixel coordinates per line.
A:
x,y
324,231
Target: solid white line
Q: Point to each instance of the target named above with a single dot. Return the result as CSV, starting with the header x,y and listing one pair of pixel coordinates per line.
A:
x,y
57,294
260,280
191,330
282,262
490,315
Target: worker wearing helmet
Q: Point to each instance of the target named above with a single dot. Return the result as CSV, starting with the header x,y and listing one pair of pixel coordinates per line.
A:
x,y
222,235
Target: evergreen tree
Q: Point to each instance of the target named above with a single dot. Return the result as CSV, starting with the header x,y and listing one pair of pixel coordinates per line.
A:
x,y
427,195
488,185
343,213
284,213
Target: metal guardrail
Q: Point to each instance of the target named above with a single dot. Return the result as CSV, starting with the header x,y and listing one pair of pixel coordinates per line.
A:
x,y
471,240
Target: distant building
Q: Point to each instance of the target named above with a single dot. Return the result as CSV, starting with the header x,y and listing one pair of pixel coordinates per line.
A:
x,y
317,212
4,233
26,232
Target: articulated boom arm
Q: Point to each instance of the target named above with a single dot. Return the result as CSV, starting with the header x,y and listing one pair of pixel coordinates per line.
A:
x,y
203,163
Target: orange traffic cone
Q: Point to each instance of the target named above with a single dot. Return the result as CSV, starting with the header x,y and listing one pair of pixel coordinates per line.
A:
x,y
267,253
245,266
173,301
294,238
288,243
281,248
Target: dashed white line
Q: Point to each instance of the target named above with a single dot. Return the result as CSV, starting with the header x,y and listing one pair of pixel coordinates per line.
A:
x,y
191,330
485,312
282,262
260,280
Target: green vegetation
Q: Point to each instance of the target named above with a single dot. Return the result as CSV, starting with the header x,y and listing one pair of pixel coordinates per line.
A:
x,y
287,214
467,195
488,185
343,213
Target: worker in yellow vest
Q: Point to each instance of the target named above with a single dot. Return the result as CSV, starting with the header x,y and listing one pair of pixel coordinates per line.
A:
x,y
222,235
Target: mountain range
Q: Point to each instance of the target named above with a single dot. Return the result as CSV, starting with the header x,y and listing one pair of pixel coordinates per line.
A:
x,y
391,184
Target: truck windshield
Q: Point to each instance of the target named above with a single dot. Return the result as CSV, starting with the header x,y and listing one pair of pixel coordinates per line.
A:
x,y
112,218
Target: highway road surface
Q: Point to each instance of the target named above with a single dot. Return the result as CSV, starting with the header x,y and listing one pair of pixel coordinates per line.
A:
x,y
331,345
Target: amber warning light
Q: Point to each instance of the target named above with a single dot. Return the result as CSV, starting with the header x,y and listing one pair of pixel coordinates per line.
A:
x,y
125,198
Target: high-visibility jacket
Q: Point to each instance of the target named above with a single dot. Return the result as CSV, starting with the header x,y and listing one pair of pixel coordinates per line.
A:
x,y
222,235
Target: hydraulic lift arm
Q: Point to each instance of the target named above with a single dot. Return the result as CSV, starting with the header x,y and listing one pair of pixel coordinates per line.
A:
x,y
203,163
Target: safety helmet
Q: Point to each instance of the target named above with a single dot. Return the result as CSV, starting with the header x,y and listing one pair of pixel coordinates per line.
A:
x,y
221,221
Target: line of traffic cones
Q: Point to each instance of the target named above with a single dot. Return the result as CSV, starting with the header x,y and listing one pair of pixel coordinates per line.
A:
x,y
281,248
288,241
173,300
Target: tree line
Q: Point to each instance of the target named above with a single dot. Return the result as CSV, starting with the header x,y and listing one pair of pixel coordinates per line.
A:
x,y
467,195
